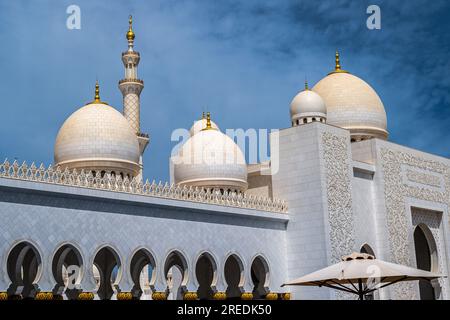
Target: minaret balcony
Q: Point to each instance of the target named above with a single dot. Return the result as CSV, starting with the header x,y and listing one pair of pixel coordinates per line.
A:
x,y
130,53
131,80
143,135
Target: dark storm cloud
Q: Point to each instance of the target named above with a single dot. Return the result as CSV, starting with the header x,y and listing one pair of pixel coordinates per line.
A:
x,y
243,60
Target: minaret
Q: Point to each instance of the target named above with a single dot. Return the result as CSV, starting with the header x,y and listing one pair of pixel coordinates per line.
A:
x,y
131,88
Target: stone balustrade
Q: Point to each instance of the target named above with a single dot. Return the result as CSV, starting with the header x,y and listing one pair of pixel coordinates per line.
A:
x,y
109,182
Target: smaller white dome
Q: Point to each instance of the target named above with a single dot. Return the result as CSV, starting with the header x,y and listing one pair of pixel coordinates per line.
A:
x,y
211,159
308,104
199,125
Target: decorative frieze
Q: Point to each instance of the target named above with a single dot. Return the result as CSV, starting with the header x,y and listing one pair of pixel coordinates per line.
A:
x,y
423,178
396,191
339,195
109,182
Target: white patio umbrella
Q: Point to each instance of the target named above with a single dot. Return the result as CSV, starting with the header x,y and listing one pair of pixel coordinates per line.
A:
x,y
361,273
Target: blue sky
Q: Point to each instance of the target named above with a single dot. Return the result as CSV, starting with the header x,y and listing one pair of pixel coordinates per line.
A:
x,y
242,60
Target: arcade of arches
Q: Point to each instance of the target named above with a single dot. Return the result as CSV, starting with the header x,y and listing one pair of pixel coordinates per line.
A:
x,y
25,265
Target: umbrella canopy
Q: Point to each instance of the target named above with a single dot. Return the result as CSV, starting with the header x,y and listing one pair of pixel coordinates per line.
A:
x,y
361,274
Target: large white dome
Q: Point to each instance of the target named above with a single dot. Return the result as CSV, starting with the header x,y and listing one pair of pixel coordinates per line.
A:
x,y
211,159
98,137
353,104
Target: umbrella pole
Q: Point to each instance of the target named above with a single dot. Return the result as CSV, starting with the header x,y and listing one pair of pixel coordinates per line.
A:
x,y
360,290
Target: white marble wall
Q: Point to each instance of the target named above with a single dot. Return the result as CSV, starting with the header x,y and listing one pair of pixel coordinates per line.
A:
x,y
377,175
302,181
50,215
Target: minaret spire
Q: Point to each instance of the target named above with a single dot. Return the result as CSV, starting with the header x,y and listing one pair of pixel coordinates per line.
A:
x,y
130,33
131,87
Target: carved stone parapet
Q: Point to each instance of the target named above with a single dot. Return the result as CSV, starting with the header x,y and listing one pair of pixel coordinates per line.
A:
x,y
110,182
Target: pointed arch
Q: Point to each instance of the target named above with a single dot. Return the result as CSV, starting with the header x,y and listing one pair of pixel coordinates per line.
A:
x,y
426,258
67,262
260,276
107,270
176,273
24,268
206,274
366,248
234,276
142,264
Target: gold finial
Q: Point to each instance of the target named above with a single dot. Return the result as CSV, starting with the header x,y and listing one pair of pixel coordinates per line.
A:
x,y
97,92
306,84
338,61
97,95
208,122
337,68
130,33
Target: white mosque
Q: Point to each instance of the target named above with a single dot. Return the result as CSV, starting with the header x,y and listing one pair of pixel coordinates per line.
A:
x,y
91,227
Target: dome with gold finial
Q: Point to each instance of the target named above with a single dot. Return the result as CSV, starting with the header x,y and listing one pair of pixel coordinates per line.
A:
x,y
307,106
98,138
352,104
211,159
